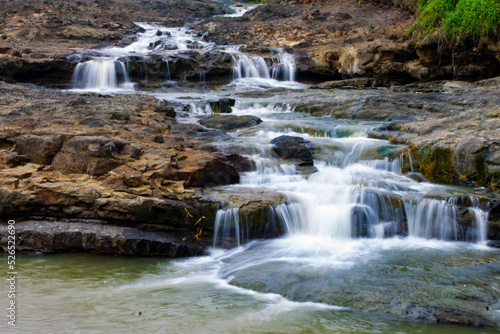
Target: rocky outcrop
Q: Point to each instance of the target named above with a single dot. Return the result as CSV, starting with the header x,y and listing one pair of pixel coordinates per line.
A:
x,y
461,147
337,40
106,161
95,237
93,155
254,210
222,106
181,66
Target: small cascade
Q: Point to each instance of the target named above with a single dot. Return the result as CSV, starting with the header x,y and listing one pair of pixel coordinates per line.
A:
x,y
480,220
101,74
249,67
432,219
169,77
282,69
393,166
203,77
225,222
234,228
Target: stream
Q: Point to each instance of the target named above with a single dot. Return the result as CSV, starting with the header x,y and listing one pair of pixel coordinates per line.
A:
x,y
367,249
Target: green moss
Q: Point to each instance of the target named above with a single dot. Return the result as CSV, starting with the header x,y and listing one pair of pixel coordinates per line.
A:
x,y
436,163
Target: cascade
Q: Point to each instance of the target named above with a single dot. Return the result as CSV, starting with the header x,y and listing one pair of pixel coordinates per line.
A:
x,y
101,74
432,218
225,221
357,198
282,69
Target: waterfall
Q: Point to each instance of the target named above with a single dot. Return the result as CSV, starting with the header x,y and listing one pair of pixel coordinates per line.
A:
x,y
282,69
233,227
225,222
480,219
101,74
358,201
432,218
250,67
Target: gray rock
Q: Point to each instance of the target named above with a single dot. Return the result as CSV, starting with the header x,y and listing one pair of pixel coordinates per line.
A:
x,y
229,122
294,148
50,237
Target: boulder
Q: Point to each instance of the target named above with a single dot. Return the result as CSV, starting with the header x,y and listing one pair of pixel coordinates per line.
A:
x,y
39,149
92,155
229,122
215,172
222,105
294,148
166,110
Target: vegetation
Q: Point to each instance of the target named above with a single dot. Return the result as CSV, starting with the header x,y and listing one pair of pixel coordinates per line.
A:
x,y
458,21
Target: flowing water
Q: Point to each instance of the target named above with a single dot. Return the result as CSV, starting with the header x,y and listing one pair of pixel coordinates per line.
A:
x,y
360,235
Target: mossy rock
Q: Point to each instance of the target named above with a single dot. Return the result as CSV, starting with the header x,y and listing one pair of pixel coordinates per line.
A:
x,y
436,162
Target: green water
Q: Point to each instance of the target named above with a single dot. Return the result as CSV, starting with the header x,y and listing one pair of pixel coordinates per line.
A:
x,y
82,293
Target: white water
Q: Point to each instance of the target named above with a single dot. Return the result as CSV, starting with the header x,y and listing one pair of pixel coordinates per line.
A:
x,y
101,74
104,73
239,11
349,197
253,72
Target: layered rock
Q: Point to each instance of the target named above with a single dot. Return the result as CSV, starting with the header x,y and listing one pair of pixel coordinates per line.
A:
x,y
342,40
106,161
90,236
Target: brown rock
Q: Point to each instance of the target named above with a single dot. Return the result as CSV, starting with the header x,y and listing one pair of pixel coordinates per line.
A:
x,y
131,177
39,149
89,154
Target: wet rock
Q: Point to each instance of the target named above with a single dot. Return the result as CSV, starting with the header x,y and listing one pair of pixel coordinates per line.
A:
x,y
181,66
51,237
348,83
229,122
294,148
255,209
222,105
241,164
468,159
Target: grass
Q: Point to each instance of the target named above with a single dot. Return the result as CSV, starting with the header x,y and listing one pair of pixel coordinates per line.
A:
x,y
458,21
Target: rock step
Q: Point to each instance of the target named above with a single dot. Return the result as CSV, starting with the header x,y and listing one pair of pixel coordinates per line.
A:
x,y
51,237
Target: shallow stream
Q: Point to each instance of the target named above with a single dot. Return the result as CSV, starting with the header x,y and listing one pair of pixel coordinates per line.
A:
x,y
351,261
